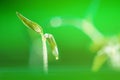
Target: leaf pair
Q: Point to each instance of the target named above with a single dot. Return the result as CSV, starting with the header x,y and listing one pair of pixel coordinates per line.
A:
x,y
37,28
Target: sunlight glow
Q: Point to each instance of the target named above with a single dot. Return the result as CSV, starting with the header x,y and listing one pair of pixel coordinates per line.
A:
x,y
56,22
112,49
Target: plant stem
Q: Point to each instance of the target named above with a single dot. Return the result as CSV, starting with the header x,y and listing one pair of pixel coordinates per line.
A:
x,y
45,57
91,31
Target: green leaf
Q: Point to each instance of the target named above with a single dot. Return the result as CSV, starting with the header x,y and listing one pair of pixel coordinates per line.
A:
x,y
30,24
52,44
99,60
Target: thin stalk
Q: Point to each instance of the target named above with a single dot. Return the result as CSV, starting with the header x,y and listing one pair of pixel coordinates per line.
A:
x,y
45,58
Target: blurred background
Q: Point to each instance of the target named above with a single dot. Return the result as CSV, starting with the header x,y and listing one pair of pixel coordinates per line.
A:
x,y
18,59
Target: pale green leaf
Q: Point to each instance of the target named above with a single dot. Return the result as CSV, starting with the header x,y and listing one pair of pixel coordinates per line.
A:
x,y
99,60
30,24
52,44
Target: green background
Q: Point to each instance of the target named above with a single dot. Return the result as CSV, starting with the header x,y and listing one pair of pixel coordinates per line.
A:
x,y
74,46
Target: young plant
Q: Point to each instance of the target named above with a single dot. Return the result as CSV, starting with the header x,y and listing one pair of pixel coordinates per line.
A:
x,y
38,29
105,49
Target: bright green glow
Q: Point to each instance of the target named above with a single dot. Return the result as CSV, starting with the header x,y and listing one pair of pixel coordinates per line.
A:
x,y
92,9
73,43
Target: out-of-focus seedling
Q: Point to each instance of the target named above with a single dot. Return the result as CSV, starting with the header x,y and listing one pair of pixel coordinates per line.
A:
x,y
108,52
106,49
37,28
